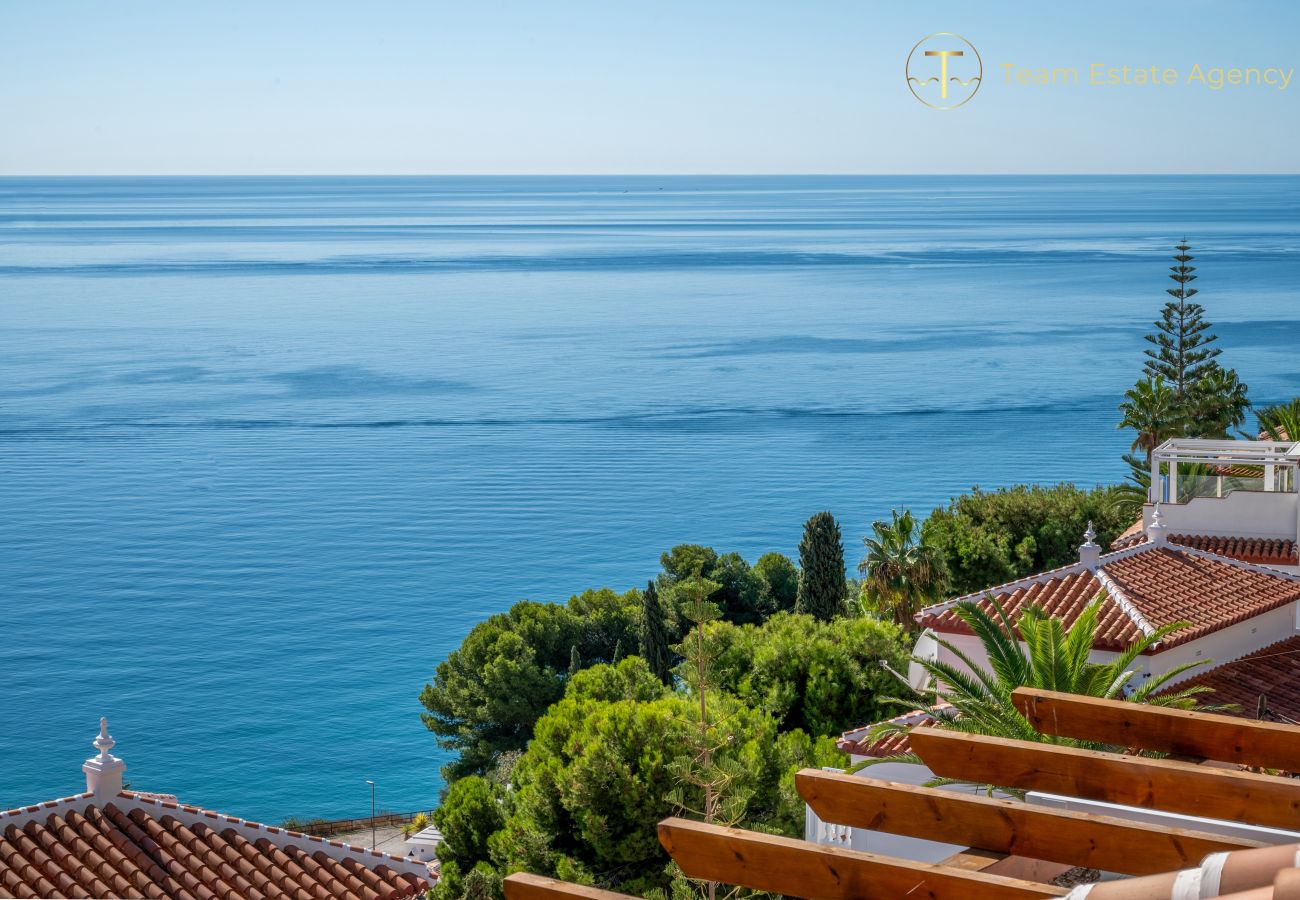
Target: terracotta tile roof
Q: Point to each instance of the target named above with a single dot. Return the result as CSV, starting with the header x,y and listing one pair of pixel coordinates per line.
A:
x,y
858,743
134,846
1265,551
1064,596
1273,672
1134,534
1168,584
1147,587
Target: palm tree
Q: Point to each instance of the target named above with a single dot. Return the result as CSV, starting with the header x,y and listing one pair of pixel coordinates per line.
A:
x,y
1218,402
1153,409
901,572
977,700
1280,422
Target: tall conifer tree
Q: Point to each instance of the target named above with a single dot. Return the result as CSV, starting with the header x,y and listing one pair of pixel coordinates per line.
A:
x,y
822,585
654,635
1183,352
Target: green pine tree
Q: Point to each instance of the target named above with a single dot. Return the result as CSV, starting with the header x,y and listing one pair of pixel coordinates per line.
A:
x,y
1183,352
654,635
822,585
709,787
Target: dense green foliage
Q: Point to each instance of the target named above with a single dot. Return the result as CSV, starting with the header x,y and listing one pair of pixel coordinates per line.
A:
x,y
901,572
596,778
739,594
821,677
822,585
780,579
991,537
653,645
486,696
472,812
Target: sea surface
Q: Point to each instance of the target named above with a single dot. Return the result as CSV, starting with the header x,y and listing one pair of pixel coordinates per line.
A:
x,y
269,447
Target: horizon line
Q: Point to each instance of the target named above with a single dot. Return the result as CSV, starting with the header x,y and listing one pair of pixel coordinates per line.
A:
x,y
757,174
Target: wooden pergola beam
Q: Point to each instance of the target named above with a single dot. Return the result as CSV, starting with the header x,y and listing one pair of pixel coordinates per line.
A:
x,y
798,868
526,886
1179,731
1007,826
1127,780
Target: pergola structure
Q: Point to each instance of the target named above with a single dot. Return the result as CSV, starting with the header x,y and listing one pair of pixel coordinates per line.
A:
x,y
1275,461
1197,764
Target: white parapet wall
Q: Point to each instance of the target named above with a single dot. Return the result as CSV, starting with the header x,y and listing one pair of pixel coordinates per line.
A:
x,y
1241,514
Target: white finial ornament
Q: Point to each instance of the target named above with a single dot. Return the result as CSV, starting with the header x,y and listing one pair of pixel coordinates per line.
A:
x,y
104,742
104,770
1156,530
1089,552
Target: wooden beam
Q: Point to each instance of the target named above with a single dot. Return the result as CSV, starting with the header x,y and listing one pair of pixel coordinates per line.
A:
x,y
1008,826
525,886
1128,780
1181,732
797,868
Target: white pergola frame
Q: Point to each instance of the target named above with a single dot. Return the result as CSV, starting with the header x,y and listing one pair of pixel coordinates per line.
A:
x,y
1270,455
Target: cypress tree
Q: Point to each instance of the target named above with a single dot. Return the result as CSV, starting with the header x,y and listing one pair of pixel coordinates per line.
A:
x,y
654,635
822,585
575,660
1183,352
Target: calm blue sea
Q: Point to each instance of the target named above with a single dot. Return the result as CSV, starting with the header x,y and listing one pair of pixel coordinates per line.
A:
x,y
269,447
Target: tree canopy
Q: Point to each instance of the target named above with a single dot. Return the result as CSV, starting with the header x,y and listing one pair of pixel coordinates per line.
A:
x,y
595,781
991,537
823,587
487,695
820,677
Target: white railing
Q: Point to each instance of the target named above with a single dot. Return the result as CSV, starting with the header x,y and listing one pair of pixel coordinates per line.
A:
x,y
1218,468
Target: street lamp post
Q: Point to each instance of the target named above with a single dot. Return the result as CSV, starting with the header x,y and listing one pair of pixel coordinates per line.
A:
x,y
372,813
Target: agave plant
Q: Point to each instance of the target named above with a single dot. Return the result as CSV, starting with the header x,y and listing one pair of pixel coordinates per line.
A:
x,y
1053,658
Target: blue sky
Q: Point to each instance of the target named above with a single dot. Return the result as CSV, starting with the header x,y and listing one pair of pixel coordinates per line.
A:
x,y
550,86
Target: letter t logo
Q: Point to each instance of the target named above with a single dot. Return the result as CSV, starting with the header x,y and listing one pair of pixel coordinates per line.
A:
x,y
943,67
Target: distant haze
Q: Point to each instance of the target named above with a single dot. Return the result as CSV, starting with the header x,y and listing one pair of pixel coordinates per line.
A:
x,y
595,87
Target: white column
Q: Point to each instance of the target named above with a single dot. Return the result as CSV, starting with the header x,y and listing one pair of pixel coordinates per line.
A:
x,y
1173,481
1269,478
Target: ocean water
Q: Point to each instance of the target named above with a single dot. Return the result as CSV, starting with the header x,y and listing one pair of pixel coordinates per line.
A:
x,y
270,447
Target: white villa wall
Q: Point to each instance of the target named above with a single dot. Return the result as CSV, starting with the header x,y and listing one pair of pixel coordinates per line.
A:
x,y
1240,514
1226,644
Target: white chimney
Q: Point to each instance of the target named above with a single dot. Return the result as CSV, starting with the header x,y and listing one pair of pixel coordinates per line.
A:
x,y
104,771
1156,531
1089,552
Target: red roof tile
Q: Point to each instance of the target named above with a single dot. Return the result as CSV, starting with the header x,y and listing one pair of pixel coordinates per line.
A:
x,y
1264,551
1134,534
136,847
1273,673
858,743
1166,585
1063,596
1148,587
